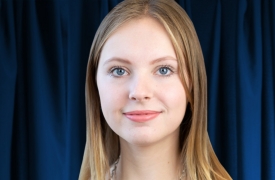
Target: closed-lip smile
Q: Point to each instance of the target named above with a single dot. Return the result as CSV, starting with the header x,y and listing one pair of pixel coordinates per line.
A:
x,y
142,115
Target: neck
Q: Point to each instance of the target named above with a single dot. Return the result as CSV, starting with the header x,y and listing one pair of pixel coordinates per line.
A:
x,y
160,160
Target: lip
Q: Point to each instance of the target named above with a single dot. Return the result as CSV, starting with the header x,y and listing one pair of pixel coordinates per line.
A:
x,y
142,115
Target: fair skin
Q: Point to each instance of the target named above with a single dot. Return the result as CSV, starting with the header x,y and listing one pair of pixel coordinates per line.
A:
x,y
138,71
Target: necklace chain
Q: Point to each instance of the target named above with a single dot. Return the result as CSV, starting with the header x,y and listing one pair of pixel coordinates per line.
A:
x,y
115,167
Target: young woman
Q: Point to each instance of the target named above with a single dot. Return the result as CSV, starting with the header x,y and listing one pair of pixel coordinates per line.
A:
x,y
146,98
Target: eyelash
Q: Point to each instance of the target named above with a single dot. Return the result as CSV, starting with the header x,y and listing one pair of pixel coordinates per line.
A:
x,y
113,69
170,68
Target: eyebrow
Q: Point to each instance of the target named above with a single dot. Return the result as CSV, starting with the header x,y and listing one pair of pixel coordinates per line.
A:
x,y
126,61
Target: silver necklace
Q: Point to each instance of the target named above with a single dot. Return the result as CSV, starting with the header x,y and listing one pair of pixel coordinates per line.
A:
x,y
115,167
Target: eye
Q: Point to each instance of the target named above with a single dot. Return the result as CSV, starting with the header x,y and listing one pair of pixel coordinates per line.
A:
x,y
164,71
118,71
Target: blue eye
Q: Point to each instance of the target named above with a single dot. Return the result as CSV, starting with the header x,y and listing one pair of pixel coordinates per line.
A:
x,y
118,71
164,70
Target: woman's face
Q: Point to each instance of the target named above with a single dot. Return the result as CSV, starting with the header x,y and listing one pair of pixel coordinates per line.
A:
x,y
141,95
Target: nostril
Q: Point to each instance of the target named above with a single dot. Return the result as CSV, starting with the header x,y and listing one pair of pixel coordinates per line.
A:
x,y
137,97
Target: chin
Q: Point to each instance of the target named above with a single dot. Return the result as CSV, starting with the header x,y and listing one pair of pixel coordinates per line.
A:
x,y
141,136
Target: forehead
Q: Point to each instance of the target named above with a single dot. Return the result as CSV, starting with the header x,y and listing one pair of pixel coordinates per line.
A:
x,y
138,40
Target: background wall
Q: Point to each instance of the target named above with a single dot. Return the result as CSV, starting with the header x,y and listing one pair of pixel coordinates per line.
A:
x,y
44,47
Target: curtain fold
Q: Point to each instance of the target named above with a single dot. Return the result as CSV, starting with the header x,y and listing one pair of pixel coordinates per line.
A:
x,y
44,48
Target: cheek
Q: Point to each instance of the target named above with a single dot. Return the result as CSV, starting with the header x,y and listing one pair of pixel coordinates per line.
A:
x,y
174,98
174,95
112,99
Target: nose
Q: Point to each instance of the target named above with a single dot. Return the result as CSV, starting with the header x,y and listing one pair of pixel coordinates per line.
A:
x,y
141,89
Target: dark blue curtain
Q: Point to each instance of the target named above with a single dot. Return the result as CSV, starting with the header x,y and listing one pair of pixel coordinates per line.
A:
x,y
44,47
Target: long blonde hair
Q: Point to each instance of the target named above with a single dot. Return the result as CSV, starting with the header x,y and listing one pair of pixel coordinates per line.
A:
x,y
102,144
